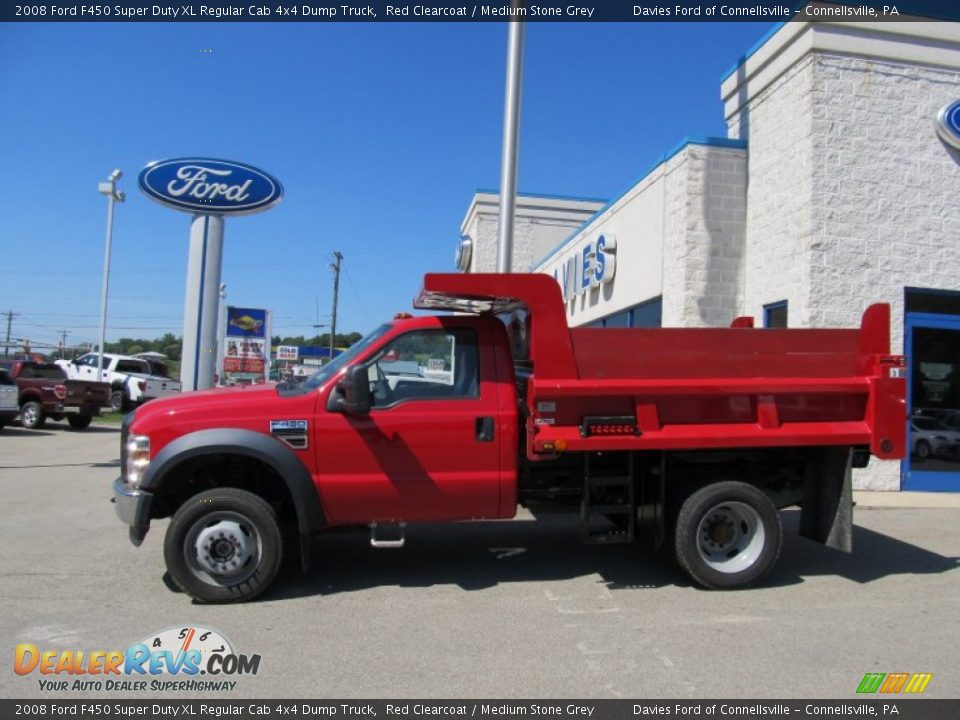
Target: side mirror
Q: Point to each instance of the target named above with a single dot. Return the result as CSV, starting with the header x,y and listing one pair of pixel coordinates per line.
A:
x,y
355,388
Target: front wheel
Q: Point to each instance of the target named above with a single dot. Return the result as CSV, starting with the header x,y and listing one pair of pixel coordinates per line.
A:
x,y
32,416
728,535
224,545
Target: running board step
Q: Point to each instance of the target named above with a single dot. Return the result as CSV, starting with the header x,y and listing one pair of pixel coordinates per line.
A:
x,y
397,541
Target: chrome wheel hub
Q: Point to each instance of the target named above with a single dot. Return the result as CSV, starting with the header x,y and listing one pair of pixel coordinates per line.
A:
x,y
224,547
730,537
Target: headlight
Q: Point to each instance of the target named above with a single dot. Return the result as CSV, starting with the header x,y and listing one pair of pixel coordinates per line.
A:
x,y
138,457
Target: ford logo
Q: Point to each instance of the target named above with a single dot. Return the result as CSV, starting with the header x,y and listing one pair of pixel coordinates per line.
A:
x,y
215,187
948,124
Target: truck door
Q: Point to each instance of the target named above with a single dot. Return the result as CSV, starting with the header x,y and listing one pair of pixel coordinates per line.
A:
x,y
429,449
87,367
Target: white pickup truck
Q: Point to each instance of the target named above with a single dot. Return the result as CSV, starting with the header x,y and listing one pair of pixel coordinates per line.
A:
x,y
133,380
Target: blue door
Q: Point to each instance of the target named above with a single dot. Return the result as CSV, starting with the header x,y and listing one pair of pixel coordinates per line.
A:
x,y
932,345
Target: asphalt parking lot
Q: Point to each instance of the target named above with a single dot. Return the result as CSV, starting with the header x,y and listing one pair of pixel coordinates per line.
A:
x,y
494,609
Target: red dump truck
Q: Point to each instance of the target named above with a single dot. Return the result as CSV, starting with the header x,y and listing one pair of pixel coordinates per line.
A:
x,y
688,438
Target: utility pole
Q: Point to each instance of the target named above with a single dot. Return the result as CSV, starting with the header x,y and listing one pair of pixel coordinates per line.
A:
x,y
63,343
10,316
335,266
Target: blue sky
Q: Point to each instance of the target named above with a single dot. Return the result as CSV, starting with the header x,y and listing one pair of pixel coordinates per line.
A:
x,y
379,132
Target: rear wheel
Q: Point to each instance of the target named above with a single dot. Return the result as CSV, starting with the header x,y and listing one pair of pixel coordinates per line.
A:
x,y
224,545
118,401
32,416
923,449
79,422
728,535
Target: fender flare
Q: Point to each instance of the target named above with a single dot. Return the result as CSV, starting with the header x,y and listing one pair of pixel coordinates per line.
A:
x,y
29,395
266,449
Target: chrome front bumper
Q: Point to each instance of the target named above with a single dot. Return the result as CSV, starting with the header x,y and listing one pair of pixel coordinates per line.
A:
x,y
133,508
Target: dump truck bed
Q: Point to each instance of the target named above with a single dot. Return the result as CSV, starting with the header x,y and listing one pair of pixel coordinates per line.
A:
x,y
677,388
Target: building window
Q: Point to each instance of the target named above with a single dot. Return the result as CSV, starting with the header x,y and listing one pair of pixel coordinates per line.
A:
x,y
775,315
620,320
648,314
937,302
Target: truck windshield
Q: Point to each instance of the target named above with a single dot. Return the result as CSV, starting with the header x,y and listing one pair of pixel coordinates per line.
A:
x,y
333,367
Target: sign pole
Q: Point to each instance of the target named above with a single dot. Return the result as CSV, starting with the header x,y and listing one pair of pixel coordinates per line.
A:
x,y
201,307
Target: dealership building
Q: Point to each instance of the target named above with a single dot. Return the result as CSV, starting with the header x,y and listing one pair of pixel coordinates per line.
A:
x,y
837,186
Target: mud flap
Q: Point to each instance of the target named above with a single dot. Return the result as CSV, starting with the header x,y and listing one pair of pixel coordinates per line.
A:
x,y
827,511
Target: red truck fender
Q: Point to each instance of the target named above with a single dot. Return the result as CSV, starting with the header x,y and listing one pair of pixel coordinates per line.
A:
x,y
161,473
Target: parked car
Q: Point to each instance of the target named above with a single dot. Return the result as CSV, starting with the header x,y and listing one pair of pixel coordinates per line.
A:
x,y
930,437
131,379
8,398
43,391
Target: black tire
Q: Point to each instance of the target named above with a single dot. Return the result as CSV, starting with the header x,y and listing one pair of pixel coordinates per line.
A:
x,y
79,422
727,535
32,416
118,401
923,449
235,526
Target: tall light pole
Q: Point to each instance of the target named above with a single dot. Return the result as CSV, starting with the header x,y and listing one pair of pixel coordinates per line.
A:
x,y
108,188
511,142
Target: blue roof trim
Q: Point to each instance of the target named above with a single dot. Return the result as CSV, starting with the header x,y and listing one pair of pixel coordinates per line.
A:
x,y
667,156
544,196
753,48
935,9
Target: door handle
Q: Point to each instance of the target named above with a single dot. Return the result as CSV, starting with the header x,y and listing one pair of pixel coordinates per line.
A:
x,y
484,429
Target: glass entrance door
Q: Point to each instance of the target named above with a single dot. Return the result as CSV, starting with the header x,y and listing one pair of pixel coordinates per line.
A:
x,y
933,399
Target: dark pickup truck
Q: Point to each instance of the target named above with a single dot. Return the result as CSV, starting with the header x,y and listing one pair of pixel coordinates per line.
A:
x,y
43,391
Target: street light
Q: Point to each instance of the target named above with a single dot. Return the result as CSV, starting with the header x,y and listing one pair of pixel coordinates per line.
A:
x,y
108,188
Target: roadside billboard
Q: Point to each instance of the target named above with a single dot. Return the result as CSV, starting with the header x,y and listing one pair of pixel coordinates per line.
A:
x,y
245,346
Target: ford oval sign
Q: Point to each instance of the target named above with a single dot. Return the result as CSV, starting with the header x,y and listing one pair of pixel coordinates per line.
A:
x,y
214,187
948,124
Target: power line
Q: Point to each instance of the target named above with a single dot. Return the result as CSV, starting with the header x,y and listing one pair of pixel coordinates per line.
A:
x,y
356,295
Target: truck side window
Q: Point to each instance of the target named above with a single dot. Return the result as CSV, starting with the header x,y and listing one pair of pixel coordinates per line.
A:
x,y
426,365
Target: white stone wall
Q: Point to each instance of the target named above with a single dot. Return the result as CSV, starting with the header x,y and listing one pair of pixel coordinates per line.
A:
x,y
886,206
704,236
680,234
540,224
780,185
482,228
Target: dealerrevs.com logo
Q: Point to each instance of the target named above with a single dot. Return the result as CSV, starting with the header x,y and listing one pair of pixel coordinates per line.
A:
x,y
170,660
